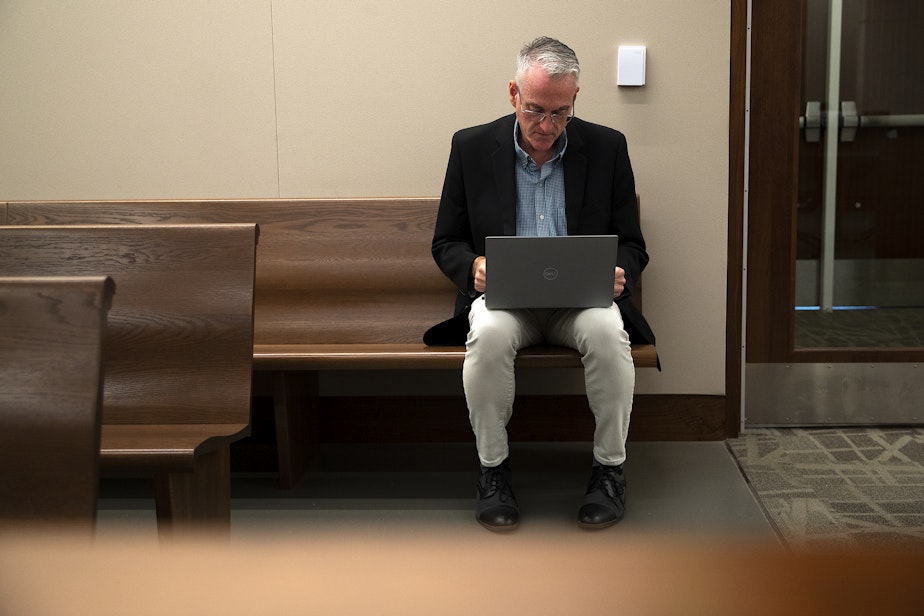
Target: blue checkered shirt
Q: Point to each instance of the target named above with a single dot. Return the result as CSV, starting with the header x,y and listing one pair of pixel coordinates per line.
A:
x,y
540,192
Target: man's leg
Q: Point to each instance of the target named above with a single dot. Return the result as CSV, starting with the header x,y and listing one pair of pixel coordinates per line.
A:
x,y
490,385
488,377
609,377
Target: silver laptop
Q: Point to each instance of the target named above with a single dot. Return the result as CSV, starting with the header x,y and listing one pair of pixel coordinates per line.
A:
x,y
574,271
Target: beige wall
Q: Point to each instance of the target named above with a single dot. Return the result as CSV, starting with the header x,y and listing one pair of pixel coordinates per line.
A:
x,y
311,98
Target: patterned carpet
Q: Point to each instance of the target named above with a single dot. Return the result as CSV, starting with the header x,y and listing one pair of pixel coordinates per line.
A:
x,y
838,488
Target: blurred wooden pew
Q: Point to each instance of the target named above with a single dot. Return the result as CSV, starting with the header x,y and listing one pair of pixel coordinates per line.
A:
x,y
178,348
52,331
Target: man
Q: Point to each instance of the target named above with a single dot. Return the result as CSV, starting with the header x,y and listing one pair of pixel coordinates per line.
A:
x,y
540,171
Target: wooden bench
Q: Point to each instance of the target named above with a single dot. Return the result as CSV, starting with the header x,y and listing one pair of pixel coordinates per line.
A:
x,y
51,398
342,284
179,350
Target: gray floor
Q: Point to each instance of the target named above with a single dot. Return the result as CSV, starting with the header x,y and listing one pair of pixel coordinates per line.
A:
x,y
692,488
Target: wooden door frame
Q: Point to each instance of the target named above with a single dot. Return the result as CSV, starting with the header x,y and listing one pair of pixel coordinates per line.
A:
x,y
776,56
737,157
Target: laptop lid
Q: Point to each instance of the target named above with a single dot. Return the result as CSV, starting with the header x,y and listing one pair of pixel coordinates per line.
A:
x,y
574,271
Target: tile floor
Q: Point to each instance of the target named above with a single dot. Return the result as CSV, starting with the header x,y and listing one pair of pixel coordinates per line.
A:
x,y
673,487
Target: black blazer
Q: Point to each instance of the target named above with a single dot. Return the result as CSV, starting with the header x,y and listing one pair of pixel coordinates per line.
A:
x,y
479,199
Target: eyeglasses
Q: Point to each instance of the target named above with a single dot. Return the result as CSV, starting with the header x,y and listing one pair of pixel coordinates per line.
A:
x,y
538,116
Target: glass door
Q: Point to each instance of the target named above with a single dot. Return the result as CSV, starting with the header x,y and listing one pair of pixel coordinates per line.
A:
x,y
860,221
834,216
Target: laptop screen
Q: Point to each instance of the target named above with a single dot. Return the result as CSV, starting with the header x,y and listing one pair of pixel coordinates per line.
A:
x,y
574,271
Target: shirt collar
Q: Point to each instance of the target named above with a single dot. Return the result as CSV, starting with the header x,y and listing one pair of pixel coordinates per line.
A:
x,y
561,144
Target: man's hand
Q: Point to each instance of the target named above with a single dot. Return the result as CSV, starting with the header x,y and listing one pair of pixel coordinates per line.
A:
x,y
619,283
479,275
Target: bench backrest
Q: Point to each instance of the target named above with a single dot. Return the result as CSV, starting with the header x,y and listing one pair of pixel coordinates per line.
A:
x,y
328,271
179,345
51,394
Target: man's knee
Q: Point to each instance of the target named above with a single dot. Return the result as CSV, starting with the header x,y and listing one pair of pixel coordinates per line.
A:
x,y
493,331
602,326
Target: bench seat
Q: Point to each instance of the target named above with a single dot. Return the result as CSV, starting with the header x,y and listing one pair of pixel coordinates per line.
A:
x,y
158,448
268,357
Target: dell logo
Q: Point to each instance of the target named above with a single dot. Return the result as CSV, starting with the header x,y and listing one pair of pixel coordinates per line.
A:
x,y
550,273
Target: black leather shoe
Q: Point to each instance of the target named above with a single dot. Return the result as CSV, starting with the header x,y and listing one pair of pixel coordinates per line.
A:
x,y
497,507
605,500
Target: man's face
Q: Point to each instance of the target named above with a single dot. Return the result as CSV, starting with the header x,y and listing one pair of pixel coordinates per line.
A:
x,y
538,92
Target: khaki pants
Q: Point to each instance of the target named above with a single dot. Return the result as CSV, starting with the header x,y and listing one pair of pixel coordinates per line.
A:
x,y
489,381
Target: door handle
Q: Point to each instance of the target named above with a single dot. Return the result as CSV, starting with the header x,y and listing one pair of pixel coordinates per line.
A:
x,y
812,121
851,120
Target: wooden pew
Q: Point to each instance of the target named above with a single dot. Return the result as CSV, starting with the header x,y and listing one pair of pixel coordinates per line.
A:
x,y
179,349
342,284
52,331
